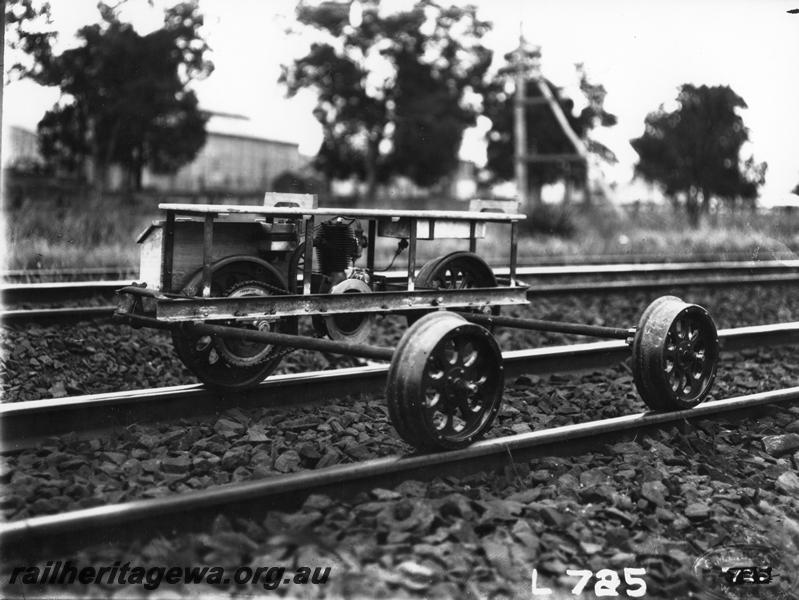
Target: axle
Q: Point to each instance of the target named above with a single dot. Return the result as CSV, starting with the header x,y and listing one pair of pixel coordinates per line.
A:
x,y
552,326
266,337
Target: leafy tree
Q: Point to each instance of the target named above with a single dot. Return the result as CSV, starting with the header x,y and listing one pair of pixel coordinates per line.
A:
x,y
693,151
28,27
795,190
544,133
125,97
391,90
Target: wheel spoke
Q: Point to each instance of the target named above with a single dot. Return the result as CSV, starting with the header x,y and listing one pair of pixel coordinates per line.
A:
x,y
446,354
452,279
432,397
698,342
695,382
441,421
462,403
467,352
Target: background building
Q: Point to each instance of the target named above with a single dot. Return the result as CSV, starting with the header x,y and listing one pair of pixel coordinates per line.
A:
x,y
232,159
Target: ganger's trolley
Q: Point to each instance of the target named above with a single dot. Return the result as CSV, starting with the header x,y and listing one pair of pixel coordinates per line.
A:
x,y
230,282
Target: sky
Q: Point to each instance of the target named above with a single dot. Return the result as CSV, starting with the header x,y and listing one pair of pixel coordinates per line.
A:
x,y
640,51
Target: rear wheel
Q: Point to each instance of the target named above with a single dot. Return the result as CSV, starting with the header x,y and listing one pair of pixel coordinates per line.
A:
x,y
227,363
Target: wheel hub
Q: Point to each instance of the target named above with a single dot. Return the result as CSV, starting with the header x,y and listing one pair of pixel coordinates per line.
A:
x,y
244,353
457,386
685,353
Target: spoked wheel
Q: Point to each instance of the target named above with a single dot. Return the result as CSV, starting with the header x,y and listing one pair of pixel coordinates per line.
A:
x,y
675,354
455,271
227,363
444,384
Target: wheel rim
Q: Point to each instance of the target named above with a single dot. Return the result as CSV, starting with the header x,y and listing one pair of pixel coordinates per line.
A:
x,y
460,385
689,355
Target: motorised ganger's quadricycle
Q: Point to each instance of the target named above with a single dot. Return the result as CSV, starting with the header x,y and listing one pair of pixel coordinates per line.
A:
x,y
231,281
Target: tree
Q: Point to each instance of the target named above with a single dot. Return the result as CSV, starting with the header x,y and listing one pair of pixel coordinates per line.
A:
x,y
28,27
693,152
391,89
125,97
544,133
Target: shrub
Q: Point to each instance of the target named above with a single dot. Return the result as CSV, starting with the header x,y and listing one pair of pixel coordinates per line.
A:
x,y
550,219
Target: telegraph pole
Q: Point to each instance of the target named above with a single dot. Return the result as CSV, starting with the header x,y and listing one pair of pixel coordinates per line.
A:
x,y
520,127
528,68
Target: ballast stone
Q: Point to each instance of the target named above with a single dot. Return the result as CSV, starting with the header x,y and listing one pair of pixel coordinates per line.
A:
x,y
777,445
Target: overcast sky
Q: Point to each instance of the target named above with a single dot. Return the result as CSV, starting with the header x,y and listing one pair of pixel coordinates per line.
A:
x,y
640,51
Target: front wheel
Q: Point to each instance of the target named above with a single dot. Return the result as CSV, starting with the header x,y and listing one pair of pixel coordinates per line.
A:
x,y
445,382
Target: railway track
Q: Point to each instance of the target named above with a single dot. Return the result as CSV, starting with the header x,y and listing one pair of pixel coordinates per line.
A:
x,y
44,537
548,262
25,424
16,294
13,291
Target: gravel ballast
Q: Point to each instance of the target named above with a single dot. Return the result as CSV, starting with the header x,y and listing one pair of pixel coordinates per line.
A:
x,y
90,358
154,460
658,503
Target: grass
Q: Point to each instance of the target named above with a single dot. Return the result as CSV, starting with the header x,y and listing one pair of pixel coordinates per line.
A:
x,y
48,235
51,235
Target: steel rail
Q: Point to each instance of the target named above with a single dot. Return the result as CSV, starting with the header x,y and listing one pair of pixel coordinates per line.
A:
x,y
46,291
643,285
625,262
47,536
56,315
26,424
535,291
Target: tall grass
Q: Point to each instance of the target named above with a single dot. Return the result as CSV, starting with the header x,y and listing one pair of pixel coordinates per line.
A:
x,y
51,234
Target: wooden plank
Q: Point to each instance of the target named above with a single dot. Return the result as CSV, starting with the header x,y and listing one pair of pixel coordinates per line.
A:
x,y
229,239
364,213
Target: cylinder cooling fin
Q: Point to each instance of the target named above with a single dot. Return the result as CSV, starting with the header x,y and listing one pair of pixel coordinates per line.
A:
x,y
337,244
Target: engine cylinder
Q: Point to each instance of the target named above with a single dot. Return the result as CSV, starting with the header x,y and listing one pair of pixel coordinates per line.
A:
x,y
337,246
